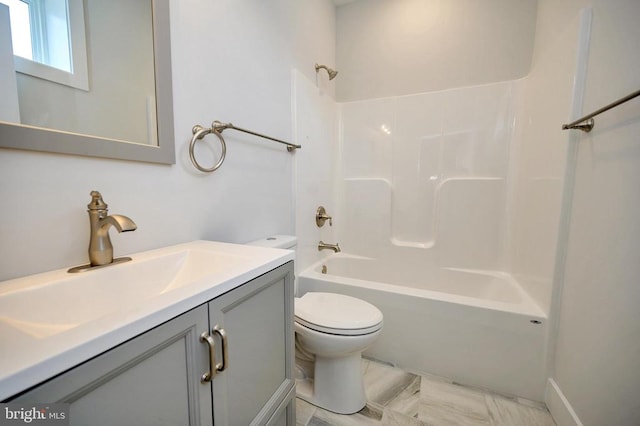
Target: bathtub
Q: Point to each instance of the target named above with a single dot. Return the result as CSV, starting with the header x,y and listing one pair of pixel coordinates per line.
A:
x,y
477,328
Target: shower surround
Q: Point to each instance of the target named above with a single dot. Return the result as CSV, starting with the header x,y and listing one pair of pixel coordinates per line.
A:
x,y
428,172
420,196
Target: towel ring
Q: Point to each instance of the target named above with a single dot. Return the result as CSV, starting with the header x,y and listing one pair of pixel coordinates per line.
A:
x,y
200,132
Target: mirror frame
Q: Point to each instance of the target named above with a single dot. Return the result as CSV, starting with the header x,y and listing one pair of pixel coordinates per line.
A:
x,y
25,137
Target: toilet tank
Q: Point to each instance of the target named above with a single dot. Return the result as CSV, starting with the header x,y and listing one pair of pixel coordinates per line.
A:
x,y
282,242
276,241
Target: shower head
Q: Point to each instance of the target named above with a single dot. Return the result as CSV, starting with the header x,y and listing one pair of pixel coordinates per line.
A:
x,y
332,73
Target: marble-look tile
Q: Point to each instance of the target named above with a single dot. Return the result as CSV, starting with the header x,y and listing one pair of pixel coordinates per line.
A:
x,y
383,383
304,412
377,361
321,421
507,412
393,418
395,397
434,378
530,403
448,404
408,401
366,416
364,365
372,411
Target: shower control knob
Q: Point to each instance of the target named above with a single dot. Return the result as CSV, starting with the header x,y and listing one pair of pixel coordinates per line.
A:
x,y
322,217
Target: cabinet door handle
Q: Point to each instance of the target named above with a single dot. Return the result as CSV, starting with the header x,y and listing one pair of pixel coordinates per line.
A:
x,y
209,375
225,355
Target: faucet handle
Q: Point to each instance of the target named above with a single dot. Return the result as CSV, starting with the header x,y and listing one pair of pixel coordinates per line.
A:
x,y
322,217
96,201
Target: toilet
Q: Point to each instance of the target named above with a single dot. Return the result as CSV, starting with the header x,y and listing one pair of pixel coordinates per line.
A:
x,y
331,332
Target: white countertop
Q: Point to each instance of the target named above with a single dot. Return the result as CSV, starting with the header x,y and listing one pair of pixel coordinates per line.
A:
x,y
31,357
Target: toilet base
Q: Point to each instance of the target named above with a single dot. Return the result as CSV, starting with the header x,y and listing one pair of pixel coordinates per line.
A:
x,y
337,385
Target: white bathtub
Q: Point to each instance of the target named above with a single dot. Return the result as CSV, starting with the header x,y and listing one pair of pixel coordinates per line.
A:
x,y
475,327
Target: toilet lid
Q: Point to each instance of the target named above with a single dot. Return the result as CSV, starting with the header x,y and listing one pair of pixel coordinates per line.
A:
x,y
337,314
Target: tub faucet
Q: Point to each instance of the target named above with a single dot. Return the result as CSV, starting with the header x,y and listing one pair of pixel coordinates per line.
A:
x,y
100,248
324,246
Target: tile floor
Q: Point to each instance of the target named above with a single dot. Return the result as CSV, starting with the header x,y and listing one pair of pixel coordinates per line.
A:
x,y
398,398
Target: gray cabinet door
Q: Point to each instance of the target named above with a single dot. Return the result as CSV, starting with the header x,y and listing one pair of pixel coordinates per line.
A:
x,y
285,415
258,376
153,379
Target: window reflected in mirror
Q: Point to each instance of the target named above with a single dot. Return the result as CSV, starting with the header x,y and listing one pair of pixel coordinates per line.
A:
x,y
85,67
40,31
48,40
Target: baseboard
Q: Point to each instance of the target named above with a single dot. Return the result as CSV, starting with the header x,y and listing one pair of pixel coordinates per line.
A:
x,y
559,406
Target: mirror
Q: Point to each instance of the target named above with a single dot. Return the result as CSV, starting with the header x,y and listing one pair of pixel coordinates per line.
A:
x,y
126,109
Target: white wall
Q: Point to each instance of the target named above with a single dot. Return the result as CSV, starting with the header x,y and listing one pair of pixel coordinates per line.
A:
x,y
315,128
315,41
232,61
399,47
597,356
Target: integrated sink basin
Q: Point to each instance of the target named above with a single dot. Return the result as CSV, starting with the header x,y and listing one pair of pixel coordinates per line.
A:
x,y
58,302
54,320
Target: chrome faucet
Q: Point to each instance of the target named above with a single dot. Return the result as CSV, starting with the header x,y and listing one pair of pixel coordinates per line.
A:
x,y
324,246
100,248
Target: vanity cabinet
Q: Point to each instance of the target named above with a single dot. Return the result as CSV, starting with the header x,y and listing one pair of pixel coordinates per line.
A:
x,y
156,377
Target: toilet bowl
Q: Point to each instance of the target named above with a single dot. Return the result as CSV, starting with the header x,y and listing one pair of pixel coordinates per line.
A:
x,y
331,332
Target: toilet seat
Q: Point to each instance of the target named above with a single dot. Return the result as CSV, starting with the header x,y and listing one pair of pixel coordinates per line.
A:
x,y
337,314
